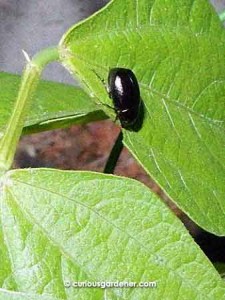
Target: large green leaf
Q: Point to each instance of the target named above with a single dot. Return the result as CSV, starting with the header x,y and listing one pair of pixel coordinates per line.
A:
x,y
176,49
55,105
60,226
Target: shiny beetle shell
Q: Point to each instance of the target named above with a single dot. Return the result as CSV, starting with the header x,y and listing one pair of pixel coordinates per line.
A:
x,y
124,91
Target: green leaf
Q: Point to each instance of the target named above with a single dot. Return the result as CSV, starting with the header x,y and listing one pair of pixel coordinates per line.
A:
x,y
11,295
176,50
55,105
60,226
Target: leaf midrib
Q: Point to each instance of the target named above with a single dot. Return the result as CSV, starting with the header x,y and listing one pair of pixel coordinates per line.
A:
x,y
178,104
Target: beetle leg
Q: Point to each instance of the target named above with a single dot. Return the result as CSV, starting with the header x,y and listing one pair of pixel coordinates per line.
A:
x,y
104,83
107,105
102,80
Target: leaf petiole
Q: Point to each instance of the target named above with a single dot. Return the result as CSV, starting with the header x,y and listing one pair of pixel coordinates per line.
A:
x,y
30,79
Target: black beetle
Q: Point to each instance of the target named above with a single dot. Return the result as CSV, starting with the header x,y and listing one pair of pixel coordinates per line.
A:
x,y
124,91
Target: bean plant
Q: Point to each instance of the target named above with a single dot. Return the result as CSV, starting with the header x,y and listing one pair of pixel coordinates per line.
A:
x,y
59,228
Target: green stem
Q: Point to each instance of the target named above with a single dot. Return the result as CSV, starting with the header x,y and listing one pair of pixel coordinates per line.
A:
x,y
222,16
114,155
30,79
